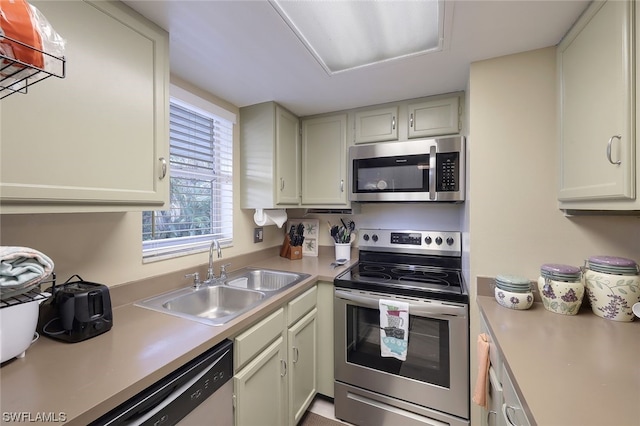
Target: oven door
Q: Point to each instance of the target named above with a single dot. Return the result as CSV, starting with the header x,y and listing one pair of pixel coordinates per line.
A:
x,y
436,371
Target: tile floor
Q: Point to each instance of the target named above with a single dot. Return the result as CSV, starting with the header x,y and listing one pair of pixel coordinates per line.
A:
x,y
323,406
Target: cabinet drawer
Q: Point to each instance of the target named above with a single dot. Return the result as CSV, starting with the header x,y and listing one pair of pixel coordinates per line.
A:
x,y
302,304
512,411
255,339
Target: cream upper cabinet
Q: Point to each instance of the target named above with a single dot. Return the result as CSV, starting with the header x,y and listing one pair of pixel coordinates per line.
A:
x,y
434,117
324,161
96,140
376,125
597,92
270,157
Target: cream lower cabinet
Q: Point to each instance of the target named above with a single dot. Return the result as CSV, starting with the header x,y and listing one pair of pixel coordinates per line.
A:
x,y
302,345
324,161
97,139
598,148
504,407
325,339
275,365
261,388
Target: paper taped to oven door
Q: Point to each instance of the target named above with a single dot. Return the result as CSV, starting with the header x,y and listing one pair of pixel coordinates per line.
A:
x,y
394,324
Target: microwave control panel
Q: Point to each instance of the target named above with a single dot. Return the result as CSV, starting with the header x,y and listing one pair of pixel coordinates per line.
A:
x,y
447,171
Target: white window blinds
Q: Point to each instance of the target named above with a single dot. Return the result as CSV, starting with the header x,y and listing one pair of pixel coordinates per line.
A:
x,y
201,186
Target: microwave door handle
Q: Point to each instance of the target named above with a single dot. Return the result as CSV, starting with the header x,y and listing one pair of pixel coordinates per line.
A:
x,y
432,310
432,172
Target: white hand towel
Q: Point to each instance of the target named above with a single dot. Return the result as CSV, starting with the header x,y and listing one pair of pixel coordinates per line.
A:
x,y
23,266
394,326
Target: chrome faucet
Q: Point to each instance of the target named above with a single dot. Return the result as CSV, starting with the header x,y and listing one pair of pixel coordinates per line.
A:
x,y
214,244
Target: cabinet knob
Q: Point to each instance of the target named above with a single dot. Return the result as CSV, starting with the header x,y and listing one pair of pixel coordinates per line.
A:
x,y
281,184
341,185
411,120
163,168
393,123
609,149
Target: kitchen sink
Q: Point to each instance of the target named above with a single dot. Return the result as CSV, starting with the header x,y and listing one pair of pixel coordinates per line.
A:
x,y
264,279
221,301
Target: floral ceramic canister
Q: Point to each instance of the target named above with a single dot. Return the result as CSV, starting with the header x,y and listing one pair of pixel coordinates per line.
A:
x,y
561,288
613,286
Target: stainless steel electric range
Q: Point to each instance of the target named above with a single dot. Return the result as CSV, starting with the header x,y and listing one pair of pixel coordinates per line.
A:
x,y
421,269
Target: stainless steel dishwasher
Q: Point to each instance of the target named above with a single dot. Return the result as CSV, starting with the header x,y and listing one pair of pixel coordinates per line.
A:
x,y
200,392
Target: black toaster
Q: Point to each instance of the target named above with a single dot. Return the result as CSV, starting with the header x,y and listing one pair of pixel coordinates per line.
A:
x,y
76,311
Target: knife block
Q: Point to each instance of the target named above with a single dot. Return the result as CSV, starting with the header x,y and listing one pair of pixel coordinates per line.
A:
x,y
289,251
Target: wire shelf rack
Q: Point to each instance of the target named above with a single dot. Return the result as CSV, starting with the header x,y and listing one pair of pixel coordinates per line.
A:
x,y
16,76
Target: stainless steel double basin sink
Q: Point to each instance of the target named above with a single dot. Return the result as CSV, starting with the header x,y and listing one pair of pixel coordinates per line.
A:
x,y
219,302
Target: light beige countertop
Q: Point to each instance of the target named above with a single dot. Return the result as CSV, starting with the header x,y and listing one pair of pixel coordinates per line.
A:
x,y
569,370
78,382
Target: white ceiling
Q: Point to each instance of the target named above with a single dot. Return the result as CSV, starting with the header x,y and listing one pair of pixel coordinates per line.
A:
x,y
243,52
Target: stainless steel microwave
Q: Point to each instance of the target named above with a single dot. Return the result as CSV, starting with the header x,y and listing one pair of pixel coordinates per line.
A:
x,y
414,170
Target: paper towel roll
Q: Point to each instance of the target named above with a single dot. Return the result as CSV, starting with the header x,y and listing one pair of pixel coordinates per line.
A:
x,y
265,217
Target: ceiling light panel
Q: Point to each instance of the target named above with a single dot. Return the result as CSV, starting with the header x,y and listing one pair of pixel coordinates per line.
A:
x,y
347,34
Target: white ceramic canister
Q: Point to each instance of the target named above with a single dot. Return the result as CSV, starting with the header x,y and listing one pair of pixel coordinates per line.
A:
x,y
613,286
561,289
513,292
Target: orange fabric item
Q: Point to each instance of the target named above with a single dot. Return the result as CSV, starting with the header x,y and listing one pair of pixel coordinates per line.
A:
x,y
16,23
480,391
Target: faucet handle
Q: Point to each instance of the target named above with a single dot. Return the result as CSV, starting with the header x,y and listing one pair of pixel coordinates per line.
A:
x,y
223,270
196,279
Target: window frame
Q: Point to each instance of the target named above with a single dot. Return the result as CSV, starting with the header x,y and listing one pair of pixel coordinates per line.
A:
x,y
160,249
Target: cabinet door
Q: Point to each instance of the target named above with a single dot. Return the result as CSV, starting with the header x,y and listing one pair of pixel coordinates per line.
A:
x,y
325,375
260,397
376,125
287,158
302,340
94,139
595,63
434,118
324,161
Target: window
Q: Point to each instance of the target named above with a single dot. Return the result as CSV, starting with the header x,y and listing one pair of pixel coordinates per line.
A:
x,y
201,185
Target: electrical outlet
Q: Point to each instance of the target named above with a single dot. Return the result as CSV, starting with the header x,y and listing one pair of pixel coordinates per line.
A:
x,y
257,235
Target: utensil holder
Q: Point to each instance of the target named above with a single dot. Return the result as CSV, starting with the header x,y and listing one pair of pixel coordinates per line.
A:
x,y
343,251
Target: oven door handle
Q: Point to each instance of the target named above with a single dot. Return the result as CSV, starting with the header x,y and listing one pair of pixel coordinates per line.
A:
x,y
425,309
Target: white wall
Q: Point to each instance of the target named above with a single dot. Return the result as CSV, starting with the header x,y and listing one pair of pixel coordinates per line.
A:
x,y
107,247
514,223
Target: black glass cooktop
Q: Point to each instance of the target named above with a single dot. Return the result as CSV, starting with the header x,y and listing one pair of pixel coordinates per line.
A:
x,y
419,276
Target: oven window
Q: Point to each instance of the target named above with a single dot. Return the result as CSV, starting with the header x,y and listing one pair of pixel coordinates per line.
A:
x,y
427,352
408,173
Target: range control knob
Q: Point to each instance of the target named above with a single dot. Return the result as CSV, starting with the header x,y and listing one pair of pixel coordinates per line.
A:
x,y
438,240
374,237
365,237
450,241
428,240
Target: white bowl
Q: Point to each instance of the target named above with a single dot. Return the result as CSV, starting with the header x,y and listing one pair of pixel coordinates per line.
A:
x,y
513,300
561,297
612,296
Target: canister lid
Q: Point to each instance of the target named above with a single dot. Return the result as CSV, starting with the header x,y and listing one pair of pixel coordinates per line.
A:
x,y
512,279
612,265
560,272
513,283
